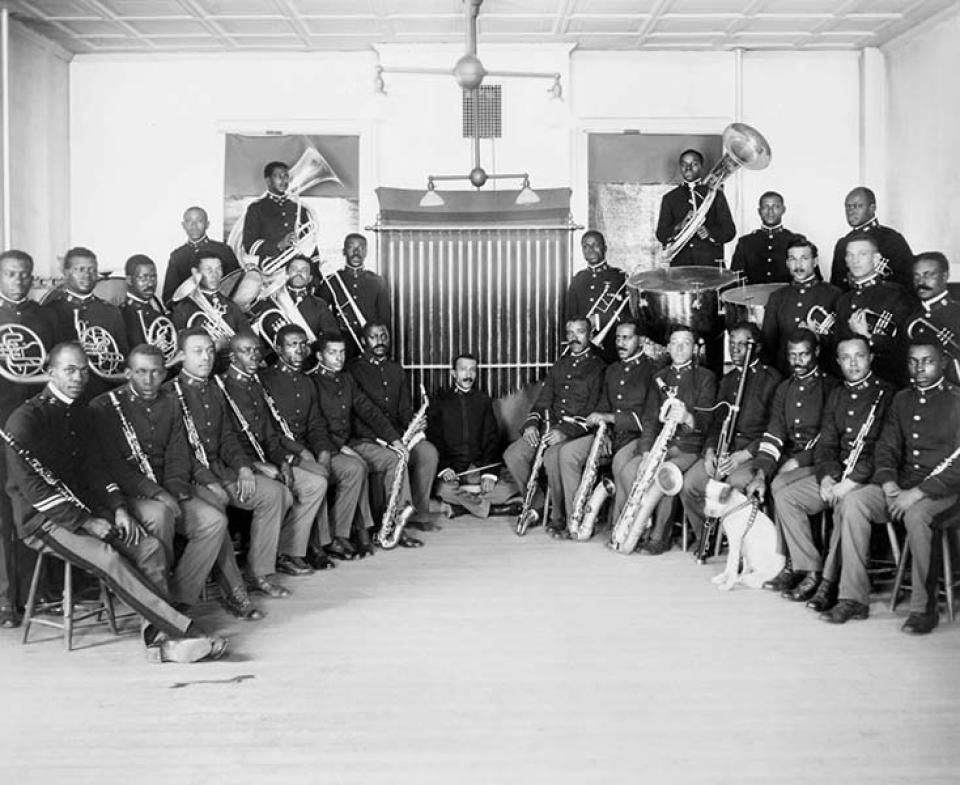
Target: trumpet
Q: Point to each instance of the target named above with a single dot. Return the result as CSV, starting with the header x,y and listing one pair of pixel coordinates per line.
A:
x,y
820,320
345,309
209,316
946,337
882,322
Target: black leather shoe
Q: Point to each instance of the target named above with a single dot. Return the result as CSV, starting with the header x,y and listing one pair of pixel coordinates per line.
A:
x,y
845,610
260,585
557,530
825,598
920,623
293,565
805,589
341,549
453,510
785,580
238,603
656,547
9,618
319,560
509,509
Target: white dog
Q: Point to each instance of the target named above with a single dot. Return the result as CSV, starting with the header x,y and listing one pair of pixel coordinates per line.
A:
x,y
761,561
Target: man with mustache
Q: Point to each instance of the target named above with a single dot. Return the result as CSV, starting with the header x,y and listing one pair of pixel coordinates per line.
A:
x,y
931,271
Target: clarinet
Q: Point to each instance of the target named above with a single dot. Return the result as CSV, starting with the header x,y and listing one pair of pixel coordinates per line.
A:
x,y
132,442
861,439
242,421
43,472
945,464
192,435
275,411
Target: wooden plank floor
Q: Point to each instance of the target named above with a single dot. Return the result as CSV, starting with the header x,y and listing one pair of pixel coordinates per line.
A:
x,y
484,658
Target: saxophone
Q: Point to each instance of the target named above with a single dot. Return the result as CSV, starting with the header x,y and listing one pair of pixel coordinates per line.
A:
x,y
650,484
590,495
394,521
528,516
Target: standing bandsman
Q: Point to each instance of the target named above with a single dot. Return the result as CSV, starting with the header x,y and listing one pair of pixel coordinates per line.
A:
x,y
696,388
225,319
570,392
761,256
938,310
706,246
737,467
598,283
461,423
788,307
187,256
860,206
273,220
79,315
143,314
916,476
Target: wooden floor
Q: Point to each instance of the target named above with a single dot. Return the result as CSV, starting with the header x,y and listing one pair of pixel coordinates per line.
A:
x,y
484,658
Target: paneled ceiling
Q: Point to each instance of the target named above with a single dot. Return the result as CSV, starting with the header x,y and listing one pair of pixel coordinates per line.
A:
x,y
85,26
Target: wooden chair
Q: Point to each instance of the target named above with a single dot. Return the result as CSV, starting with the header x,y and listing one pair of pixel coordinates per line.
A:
x,y
946,523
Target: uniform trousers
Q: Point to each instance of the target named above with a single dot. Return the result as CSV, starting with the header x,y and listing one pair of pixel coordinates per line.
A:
x,y
348,477
694,492
383,461
663,513
868,505
518,458
622,479
478,503
793,504
573,460
422,470
320,532
780,481
310,490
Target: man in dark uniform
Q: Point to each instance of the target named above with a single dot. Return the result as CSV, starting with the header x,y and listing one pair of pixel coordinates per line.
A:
x,y
588,286
231,320
626,401
931,270
741,460
761,256
185,258
570,392
696,388
788,308
77,306
916,476
889,302
26,335
861,210
461,423
847,409
86,519
274,219
143,314
314,310
706,246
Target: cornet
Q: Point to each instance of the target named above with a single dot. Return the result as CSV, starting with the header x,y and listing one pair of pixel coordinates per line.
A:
x,y
820,320
946,337
882,322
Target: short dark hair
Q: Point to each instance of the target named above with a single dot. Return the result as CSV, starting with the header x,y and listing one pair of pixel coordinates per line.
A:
x,y
684,328
464,356
770,194
198,209
287,330
368,327
144,350
20,256
867,192
594,233
691,151
204,256
580,318
929,340
190,332
854,337
631,322
135,261
300,258
930,256
243,335
748,327
800,241
862,237
60,348
328,338
78,252
803,335
271,167
353,236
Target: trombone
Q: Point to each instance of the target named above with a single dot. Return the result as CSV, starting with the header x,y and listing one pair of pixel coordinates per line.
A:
x,y
344,309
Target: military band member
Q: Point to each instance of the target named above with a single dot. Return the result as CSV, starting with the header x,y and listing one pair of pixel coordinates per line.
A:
x,y
570,392
788,307
187,312
223,474
860,207
931,271
761,256
273,220
871,298
599,280
626,401
143,314
848,407
916,476
706,246
88,522
462,426
187,256
754,413
695,387
315,311
78,307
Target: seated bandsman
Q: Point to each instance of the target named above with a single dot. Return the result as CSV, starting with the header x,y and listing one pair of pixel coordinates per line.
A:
x,y
696,388
739,463
785,454
73,507
305,491
185,258
223,474
761,256
789,307
939,313
875,309
295,408
145,317
626,401
463,428
844,433
570,392
314,310
916,476
384,382
79,315
205,307
599,283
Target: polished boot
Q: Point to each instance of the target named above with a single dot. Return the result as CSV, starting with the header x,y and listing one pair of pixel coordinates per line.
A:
x,y
825,598
920,623
845,610
785,580
804,590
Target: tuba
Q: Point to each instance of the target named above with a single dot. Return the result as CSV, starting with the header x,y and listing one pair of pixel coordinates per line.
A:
x,y
743,146
281,311
106,359
22,355
209,316
393,522
590,495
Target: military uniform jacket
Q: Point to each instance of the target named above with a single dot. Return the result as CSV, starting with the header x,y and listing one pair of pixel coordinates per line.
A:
x,y
159,430
62,436
270,219
385,384
762,255
315,312
133,310
586,286
214,424
893,248
187,256
28,313
230,311
758,393
246,393
697,388
719,225
464,430
845,414
789,306
368,290
571,389
921,430
295,396
943,313
795,417
630,395
341,399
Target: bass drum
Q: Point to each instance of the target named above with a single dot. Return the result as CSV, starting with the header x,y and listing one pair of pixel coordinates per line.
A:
x,y
747,303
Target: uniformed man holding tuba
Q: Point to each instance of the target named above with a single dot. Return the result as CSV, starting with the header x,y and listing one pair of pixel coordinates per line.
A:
x,y
146,319
272,223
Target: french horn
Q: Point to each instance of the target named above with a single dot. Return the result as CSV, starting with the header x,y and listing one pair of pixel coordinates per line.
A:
x,y
22,355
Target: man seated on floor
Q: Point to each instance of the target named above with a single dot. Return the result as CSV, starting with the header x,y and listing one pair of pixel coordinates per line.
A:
x,y
462,426
65,500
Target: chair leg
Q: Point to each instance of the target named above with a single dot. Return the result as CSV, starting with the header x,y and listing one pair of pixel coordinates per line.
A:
x,y
68,605
948,573
894,545
901,570
684,529
106,600
32,596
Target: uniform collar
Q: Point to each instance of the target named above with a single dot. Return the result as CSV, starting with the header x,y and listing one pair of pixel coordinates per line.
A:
x,y
210,295
356,272
691,184
866,226
73,296
772,229
298,291
133,395
4,300
599,267
935,302
937,385
153,302
193,381
458,391
807,375
239,374
867,282
327,371
806,283
280,199
865,382
283,367
633,359
578,355
680,368
59,396
368,356
197,243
